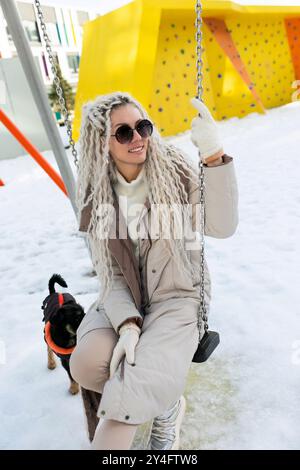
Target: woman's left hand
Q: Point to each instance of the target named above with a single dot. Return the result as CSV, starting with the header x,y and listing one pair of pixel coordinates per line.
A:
x,y
204,132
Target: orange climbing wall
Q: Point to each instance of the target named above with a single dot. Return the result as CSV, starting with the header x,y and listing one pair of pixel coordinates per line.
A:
x,y
293,33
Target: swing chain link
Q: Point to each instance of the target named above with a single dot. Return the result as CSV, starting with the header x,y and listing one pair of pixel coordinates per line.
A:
x,y
57,81
202,313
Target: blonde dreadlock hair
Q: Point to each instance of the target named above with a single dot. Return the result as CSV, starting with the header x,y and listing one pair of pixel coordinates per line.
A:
x,y
96,174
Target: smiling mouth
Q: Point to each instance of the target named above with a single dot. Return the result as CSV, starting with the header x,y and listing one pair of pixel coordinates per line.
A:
x,y
136,149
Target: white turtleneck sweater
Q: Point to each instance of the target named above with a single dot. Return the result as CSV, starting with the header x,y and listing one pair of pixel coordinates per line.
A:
x,y
132,193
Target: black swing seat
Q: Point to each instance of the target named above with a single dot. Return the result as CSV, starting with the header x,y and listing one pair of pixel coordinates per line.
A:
x,y
207,345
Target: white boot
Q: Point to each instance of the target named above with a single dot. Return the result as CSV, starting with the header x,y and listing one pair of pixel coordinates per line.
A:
x,y
166,427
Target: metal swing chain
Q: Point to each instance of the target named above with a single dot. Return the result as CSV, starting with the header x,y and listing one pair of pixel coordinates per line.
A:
x,y
202,313
58,86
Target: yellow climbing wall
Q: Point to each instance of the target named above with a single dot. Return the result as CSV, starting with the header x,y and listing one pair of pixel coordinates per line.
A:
x,y
174,79
148,49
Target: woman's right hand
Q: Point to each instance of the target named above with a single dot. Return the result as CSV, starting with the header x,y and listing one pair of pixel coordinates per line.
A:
x,y
129,337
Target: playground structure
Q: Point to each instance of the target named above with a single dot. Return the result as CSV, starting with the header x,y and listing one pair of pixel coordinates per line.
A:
x,y
250,59
40,97
220,31
32,150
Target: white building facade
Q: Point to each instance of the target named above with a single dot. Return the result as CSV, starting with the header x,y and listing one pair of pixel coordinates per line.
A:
x,y
64,27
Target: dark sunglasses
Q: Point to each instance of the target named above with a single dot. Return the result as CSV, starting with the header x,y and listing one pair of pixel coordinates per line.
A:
x,y
124,134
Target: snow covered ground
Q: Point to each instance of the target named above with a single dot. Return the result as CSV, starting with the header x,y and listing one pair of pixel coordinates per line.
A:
x,y
247,395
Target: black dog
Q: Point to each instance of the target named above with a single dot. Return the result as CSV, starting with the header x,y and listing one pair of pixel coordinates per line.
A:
x,y
62,317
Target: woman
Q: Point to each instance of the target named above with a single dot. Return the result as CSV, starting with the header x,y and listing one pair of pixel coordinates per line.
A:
x,y
137,340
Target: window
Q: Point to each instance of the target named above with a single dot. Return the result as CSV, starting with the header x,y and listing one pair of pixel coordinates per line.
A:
x,y
73,61
32,31
28,18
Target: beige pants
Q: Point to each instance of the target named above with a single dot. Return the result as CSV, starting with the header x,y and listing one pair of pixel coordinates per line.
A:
x,y
89,365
